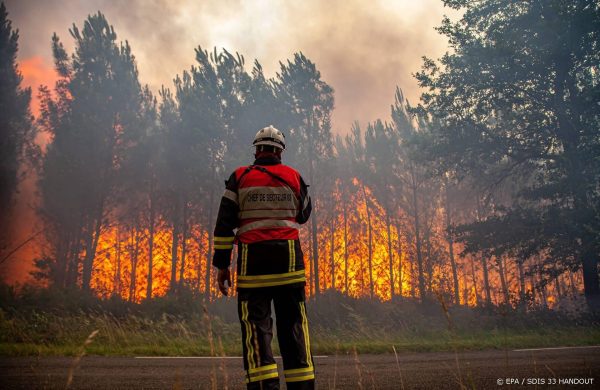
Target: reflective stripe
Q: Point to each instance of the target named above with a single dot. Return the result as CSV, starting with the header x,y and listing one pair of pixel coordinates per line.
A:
x,y
231,196
260,373
249,348
244,265
292,252
271,276
266,214
300,370
223,242
249,281
270,367
306,336
262,377
267,223
299,374
272,283
300,378
224,239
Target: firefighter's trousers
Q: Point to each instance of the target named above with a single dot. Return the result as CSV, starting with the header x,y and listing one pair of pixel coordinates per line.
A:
x,y
254,310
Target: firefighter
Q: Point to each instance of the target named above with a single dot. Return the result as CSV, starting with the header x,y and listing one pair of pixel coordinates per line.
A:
x,y
266,202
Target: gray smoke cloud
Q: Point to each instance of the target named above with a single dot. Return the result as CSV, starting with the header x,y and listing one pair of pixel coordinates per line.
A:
x,y
363,49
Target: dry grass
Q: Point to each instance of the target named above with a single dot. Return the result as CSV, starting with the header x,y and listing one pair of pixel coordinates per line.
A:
x,y
80,355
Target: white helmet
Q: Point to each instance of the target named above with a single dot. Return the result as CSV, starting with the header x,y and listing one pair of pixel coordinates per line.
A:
x,y
270,136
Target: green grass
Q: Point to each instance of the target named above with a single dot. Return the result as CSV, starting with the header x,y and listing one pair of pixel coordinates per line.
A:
x,y
446,341
43,322
45,334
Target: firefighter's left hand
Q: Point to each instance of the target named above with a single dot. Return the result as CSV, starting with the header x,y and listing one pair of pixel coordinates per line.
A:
x,y
222,277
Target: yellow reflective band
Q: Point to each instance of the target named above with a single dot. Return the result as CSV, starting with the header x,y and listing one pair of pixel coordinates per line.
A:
x,y
271,276
228,246
249,349
298,370
271,284
305,331
300,378
263,368
244,261
262,377
226,239
290,269
293,248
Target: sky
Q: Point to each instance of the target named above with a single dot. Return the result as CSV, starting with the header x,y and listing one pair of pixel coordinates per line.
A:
x,y
364,49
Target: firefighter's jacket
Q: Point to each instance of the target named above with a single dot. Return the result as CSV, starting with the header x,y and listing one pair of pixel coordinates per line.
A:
x,y
266,202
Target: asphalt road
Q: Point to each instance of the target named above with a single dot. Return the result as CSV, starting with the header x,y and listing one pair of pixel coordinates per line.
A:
x,y
435,370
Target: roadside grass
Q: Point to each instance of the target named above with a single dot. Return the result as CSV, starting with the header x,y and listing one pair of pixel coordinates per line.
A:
x,y
52,335
42,322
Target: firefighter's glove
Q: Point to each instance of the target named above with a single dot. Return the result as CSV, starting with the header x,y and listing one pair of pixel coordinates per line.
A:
x,y
222,277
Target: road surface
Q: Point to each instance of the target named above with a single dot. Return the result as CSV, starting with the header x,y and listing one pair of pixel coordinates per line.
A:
x,y
435,370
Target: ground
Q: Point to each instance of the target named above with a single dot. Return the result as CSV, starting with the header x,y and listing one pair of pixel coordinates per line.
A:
x,y
432,370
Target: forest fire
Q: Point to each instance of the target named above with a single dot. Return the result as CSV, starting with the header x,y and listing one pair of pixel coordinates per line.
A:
x,y
129,193
348,258
420,245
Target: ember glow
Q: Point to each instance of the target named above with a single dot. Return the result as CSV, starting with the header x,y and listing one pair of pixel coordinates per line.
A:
x,y
121,261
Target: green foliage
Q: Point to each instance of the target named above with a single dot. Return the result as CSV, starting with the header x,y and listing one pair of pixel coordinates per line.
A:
x,y
515,103
94,122
16,131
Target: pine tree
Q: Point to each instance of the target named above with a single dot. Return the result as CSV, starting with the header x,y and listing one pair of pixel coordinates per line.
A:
x,y
517,101
94,121
16,131
309,102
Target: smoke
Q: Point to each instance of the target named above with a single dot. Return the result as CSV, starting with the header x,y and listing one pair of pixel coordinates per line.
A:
x,y
363,49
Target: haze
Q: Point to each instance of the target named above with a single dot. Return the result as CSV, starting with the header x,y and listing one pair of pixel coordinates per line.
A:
x,y
363,49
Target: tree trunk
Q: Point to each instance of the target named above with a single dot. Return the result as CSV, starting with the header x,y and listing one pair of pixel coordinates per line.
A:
x,y
591,282
332,252
149,280
474,278
532,281
451,248
90,253
568,134
572,284
503,279
73,257
522,293
390,254
486,281
310,127
400,270
210,245
542,285
345,250
117,281
315,252
557,288
183,245
134,260
429,262
370,241
418,239
174,250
